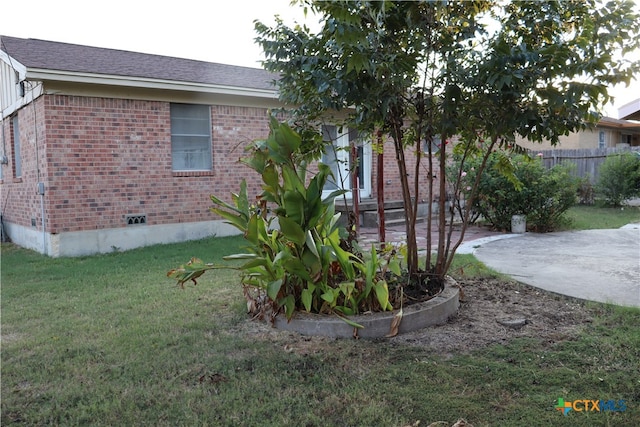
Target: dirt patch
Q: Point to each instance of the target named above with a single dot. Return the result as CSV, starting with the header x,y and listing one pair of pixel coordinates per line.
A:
x,y
492,311
495,311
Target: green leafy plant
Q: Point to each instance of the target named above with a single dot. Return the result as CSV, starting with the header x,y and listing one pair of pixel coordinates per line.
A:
x,y
299,257
418,72
519,185
619,178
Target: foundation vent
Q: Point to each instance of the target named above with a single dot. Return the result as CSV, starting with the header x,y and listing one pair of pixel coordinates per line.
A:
x,y
136,219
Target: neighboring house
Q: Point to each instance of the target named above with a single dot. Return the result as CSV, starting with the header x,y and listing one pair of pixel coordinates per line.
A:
x,y
630,111
608,133
107,149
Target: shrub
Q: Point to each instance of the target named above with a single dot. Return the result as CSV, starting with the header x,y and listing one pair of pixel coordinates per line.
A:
x,y
586,192
619,178
299,257
520,185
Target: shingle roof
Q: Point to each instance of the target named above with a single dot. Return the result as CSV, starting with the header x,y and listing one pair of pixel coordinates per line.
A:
x,y
49,55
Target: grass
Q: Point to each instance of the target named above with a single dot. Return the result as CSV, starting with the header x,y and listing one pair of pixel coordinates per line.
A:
x,y
593,217
109,340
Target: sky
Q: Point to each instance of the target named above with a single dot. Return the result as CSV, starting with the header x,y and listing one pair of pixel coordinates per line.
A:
x,y
208,30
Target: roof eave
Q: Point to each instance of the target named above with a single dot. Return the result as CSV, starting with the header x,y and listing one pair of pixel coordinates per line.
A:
x,y
14,63
146,83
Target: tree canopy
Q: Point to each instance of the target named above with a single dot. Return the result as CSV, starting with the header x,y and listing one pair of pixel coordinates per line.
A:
x,y
484,71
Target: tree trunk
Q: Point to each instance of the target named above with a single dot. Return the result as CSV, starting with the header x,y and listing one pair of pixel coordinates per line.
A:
x,y
380,191
442,211
412,244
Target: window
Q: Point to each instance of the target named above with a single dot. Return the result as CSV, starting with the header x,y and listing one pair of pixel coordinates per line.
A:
x,y
601,142
17,160
436,142
191,137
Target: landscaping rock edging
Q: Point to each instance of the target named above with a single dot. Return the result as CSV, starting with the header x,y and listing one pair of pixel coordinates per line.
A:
x,y
434,312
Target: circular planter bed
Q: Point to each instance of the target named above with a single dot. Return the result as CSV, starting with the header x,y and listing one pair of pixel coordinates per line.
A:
x,y
436,311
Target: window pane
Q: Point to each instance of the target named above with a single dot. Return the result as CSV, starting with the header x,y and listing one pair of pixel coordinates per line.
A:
x,y
17,161
191,137
329,134
191,153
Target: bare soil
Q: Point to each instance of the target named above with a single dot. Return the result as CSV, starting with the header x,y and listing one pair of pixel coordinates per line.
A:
x,y
492,311
495,311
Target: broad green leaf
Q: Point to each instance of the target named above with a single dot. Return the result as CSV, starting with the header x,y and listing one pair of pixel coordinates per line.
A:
x,y
289,303
220,202
294,206
242,200
295,267
240,256
312,263
190,271
394,266
273,288
348,311
342,256
329,297
292,230
382,293
258,262
271,178
350,322
347,288
292,181
251,233
307,297
238,221
287,139
263,235
311,244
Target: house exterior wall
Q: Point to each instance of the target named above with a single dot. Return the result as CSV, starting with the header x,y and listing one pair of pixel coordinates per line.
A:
x,y
21,204
102,159
391,174
589,138
112,158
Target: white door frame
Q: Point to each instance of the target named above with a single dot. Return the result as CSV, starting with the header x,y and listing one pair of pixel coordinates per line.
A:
x,y
338,159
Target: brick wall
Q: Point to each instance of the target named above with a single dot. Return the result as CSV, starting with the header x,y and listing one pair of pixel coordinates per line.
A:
x,y
108,158
112,157
19,201
392,188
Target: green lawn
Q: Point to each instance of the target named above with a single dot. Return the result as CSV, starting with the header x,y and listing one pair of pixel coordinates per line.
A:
x,y
594,217
109,340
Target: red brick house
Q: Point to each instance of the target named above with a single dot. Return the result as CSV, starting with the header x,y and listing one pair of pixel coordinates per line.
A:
x,y
106,149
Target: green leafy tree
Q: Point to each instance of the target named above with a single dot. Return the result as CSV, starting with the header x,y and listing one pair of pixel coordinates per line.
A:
x,y
421,70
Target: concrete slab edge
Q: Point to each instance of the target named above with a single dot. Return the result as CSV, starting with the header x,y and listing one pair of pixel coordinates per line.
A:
x,y
436,311
471,246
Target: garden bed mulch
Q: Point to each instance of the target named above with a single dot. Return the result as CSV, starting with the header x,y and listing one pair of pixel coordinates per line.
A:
x,y
492,311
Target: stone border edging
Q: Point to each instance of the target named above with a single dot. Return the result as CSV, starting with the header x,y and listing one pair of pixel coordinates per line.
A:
x,y
436,311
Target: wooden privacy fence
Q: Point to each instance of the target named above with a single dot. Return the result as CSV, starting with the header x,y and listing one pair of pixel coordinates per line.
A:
x,y
587,161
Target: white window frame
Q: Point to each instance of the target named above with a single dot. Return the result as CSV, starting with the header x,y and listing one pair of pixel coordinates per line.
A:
x,y
191,150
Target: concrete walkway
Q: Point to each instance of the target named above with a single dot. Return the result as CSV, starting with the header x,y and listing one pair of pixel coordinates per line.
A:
x,y
595,265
